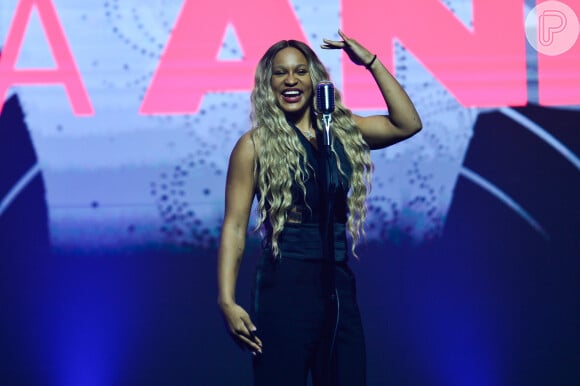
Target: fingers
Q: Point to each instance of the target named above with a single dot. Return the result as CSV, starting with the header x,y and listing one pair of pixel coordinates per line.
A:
x,y
332,44
248,323
256,343
253,344
244,332
337,44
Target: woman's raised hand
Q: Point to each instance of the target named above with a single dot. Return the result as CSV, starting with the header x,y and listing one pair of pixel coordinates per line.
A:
x,y
355,51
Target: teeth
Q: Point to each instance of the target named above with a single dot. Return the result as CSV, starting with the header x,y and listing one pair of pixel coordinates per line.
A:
x,y
291,93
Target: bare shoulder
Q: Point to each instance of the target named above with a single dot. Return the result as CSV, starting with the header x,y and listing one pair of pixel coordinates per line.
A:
x,y
244,154
245,146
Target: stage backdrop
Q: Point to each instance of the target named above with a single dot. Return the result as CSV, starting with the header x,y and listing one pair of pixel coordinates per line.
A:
x,y
116,123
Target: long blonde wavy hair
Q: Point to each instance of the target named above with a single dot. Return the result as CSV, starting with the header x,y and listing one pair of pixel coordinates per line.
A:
x,y
280,153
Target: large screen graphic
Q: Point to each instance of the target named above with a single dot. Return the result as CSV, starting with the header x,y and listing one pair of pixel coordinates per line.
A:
x,y
133,109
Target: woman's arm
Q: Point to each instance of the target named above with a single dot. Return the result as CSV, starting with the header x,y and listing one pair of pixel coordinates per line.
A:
x,y
240,188
403,120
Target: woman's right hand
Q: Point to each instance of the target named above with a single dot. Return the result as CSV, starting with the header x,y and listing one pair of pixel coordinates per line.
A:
x,y
241,328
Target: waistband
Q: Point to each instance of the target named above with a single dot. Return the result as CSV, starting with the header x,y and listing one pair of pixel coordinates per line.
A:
x,y
303,242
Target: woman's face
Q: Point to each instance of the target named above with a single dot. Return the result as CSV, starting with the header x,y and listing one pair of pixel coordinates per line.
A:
x,y
291,82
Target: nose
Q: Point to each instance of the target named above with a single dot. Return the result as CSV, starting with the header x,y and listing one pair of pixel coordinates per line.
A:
x,y
290,79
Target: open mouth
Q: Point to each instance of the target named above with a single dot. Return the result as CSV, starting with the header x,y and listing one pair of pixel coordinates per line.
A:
x,y
292,96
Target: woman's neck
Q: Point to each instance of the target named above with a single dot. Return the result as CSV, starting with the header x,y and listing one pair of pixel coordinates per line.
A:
x,y
302,121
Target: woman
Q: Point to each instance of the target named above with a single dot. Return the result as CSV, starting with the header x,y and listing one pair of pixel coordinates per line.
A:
x,y
305,311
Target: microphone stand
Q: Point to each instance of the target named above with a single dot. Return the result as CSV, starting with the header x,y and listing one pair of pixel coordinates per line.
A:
x,y
329,188
329,182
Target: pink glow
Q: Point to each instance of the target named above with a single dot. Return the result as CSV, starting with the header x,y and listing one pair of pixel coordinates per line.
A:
x,y
66,72
560,75
189,67
483,67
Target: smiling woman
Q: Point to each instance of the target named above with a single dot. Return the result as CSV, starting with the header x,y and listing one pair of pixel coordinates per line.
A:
x,y
292,84
305,307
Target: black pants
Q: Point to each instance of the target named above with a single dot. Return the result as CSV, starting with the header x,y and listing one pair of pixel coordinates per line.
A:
x,y
305,327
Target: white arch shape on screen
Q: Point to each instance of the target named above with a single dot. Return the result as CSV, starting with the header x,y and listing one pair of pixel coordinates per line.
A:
x,y
18,187
503,197
542,133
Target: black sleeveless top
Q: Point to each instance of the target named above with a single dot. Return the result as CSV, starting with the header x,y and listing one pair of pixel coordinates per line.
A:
x,y
301,238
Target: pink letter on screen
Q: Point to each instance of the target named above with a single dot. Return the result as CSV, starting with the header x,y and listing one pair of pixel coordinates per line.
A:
x,y
559,75
66,71
189,67
482,67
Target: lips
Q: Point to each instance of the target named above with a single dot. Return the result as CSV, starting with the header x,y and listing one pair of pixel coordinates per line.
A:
x,y
292,95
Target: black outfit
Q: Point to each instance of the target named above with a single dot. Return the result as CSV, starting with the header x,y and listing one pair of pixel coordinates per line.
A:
x,y
305,305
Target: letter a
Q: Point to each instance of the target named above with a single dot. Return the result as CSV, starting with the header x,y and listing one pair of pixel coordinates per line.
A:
x,y
190,67
66,71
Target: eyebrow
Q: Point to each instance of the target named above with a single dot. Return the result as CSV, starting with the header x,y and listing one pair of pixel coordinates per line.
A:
x,y
284,66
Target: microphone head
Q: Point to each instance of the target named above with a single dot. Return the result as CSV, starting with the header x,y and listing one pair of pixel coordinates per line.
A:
x,y
325,97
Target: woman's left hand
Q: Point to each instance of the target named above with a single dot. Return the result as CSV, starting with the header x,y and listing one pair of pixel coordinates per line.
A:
x,y
355,51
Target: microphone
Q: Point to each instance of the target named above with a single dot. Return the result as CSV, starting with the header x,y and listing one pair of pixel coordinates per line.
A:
x,y
325,97
325,106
